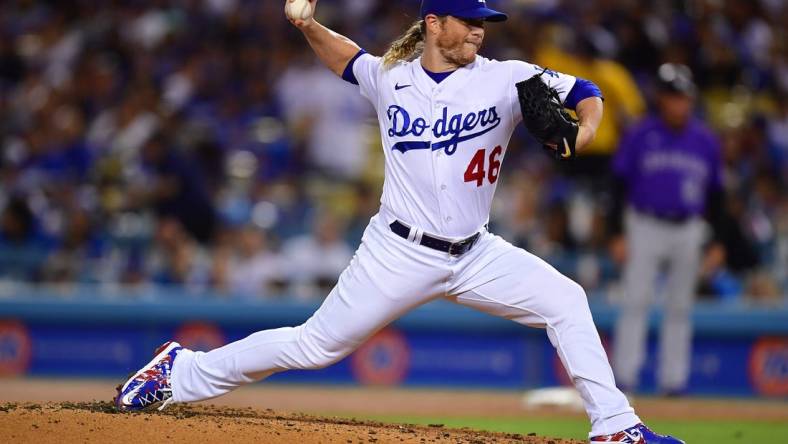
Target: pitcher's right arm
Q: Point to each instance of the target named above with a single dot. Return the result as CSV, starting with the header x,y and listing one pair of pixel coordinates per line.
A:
x,y
334,50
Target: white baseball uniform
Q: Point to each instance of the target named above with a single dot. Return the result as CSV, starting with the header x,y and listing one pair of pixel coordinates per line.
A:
x,y
444,144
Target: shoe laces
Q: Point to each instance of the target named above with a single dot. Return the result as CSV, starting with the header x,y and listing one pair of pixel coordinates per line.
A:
x,y
166,402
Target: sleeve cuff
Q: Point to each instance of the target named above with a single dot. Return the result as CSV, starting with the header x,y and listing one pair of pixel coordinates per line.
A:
x,y
348,74
581,90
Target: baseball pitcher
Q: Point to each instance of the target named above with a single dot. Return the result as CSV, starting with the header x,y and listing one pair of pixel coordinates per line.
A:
x,y
446,115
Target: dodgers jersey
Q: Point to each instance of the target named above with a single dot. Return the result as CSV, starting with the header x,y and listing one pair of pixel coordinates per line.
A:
x,y
444,142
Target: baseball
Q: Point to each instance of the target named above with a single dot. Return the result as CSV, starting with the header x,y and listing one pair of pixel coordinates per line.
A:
x,y
298,9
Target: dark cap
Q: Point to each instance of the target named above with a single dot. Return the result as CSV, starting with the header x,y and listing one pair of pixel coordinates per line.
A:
x,y
676,78
468,9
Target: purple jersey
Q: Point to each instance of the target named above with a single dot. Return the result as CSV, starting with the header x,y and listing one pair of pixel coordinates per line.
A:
x,y
668,173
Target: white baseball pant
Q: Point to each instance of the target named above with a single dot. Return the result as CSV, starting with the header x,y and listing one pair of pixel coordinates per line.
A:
x,y
389,276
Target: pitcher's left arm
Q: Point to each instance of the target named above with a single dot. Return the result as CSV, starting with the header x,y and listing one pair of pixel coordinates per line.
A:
x,y
589,113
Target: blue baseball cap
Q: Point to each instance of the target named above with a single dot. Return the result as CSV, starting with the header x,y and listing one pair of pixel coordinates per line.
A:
x,y
468,9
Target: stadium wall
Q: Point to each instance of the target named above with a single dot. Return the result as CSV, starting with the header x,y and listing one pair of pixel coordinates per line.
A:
x,y
737,351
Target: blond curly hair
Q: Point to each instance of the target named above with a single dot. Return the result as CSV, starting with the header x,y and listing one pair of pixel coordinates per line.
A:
x,y
408,46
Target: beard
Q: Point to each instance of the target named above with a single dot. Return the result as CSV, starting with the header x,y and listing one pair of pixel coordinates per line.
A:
x,y
457,51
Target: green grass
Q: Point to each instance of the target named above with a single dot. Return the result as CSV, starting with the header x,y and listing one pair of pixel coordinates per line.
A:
x,y
693,432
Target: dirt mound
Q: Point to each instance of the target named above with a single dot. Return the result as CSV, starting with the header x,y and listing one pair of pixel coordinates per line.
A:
x,y
98,422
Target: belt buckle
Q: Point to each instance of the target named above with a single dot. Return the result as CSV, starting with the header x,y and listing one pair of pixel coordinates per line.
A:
x,y
462,245
452,251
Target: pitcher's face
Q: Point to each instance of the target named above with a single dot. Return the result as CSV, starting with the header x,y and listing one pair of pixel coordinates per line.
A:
x,y
458,40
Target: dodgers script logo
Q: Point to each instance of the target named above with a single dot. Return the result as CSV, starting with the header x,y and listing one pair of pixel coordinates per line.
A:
x,y
457,126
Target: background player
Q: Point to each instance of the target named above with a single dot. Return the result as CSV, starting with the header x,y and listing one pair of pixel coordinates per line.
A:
x,y
669,163
446,118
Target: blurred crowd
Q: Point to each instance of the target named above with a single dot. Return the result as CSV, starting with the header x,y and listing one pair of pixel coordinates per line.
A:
x,y
198,143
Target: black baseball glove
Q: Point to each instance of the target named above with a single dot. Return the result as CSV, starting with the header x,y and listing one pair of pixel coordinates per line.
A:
x,y
546,118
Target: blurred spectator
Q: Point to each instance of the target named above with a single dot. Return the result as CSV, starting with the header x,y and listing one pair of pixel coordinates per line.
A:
x,y
366,201
777,133
175,188
76,257
623,101
175,259
22,246
254,270
315,261
124,129
12,67
331,116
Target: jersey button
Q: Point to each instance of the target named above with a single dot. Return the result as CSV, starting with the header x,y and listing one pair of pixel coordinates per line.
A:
x,y
448,218
443,187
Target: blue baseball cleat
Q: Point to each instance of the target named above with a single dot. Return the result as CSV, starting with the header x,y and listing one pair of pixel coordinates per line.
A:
x,y
150,386
639,434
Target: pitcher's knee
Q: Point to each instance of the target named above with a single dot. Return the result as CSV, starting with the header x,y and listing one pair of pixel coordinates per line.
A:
x,y
319,349
573,293
574,302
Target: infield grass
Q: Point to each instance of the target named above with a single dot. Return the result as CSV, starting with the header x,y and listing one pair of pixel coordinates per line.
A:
x,y
692,432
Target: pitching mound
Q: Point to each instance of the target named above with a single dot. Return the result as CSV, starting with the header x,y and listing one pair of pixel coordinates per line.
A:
x,y
98,422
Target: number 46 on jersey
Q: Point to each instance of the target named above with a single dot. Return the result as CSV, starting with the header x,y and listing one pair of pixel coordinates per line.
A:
x,y
482,166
